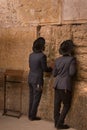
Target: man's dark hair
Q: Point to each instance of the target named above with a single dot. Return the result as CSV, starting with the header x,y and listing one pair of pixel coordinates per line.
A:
x,y
38,44
66,47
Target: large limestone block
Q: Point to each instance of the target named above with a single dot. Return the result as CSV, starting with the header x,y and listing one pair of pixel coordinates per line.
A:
x,y
15,46
80,35
38,11
23,13
77,116
74,11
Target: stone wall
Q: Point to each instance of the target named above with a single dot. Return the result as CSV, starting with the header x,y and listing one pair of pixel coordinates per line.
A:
x,y
23,13
16,43
74,11
21,22
78,33
14,55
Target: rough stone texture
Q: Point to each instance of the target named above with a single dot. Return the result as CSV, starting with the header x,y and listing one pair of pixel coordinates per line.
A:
x,y
80,38
17,48
16,43
21,22
77,115
22,13
73,10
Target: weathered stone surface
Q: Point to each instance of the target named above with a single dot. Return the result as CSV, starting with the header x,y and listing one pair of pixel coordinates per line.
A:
x,y
74,10
80,34
23,13
21,22
16,43
15,48
77,115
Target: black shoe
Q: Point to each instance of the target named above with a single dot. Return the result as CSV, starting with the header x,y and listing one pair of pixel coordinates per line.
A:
x,y
35,118
63,127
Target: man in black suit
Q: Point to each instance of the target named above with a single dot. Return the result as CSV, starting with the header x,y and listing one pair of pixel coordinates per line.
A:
x,y
37,65
64,71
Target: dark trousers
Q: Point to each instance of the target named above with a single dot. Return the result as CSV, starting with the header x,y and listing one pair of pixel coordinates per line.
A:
x,y
34,99
61,97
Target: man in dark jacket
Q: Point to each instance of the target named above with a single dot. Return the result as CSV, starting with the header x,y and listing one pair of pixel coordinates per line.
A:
x,y
64,71
37,65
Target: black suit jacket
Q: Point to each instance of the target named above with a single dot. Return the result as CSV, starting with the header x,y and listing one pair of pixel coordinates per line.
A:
x,y
64,71
37,65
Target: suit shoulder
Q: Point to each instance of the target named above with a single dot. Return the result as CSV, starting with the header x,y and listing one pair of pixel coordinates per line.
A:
x,y
72,58
59,58
42,54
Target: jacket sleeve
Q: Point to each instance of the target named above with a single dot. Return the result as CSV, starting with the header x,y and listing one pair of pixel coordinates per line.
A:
x,y
55,71
44,64
72,68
